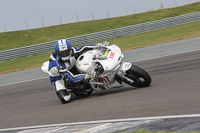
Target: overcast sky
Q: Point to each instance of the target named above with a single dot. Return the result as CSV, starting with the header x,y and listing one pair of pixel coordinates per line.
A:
x,y
23,14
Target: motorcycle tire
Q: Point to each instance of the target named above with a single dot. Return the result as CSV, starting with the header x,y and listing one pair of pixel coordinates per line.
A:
x,y
140,77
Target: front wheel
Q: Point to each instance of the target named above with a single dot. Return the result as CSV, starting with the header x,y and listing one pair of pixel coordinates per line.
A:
x,y
140,77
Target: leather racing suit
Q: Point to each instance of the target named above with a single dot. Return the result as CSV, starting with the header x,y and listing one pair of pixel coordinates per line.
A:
x,y
55,69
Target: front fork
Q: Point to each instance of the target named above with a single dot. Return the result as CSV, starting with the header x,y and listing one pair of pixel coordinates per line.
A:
x,y
121,73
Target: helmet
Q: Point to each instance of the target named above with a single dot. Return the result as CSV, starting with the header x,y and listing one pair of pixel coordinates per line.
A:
x,y
63,48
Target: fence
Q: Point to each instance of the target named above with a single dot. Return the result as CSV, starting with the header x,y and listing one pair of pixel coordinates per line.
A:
x,y
99,36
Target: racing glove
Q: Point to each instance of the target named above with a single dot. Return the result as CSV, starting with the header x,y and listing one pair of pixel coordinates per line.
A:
x,y
61,69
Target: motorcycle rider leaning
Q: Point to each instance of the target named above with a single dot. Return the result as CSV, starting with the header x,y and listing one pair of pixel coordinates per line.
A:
x,y
61,61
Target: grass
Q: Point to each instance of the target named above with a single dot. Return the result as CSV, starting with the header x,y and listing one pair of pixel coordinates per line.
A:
x,y
23,63
17,39
127,42
159,36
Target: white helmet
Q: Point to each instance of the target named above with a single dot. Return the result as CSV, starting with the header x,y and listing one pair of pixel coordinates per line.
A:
x,y
63,49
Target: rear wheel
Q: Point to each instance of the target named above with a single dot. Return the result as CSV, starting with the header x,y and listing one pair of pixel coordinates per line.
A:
x,y
83,90
83,93
140,77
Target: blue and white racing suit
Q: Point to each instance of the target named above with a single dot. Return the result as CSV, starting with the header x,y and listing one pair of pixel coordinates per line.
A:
x,y
55,63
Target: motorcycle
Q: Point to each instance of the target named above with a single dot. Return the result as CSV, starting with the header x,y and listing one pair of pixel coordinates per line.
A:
x,y
104,69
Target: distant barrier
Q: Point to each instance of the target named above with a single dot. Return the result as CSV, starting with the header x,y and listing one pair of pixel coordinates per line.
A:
x,y
99,36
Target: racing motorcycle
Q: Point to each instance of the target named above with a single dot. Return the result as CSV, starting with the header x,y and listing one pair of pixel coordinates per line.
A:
x,y
104,69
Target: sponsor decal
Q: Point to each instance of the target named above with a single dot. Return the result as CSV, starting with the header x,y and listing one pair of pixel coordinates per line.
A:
x,y
112,55
106,79
106,52
128,65
62,47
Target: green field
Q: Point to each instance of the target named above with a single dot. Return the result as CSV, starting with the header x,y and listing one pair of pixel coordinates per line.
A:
x,y
127,42
17,39
22,38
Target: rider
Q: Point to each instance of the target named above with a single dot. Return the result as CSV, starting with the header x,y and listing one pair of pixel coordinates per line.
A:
x,y
62,60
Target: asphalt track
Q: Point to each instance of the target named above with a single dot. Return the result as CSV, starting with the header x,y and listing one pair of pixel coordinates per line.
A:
x,y
175,90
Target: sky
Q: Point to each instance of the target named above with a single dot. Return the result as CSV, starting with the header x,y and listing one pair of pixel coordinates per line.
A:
x,y
30,14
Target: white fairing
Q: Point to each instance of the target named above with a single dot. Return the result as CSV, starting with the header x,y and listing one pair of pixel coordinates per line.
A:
x,y
110,59
45,67
114,58
124,67
84,62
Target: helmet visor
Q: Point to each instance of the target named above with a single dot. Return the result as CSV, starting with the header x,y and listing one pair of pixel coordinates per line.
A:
x,y
64,53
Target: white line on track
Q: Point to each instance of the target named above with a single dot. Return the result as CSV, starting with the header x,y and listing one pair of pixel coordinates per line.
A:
x,y
130,61
24,81
57,129
93,129
105,121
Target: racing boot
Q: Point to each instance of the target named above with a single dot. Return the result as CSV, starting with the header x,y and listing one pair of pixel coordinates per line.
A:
x,y
64,96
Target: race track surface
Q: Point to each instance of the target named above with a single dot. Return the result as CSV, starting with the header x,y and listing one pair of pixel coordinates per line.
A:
x,y
175,90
